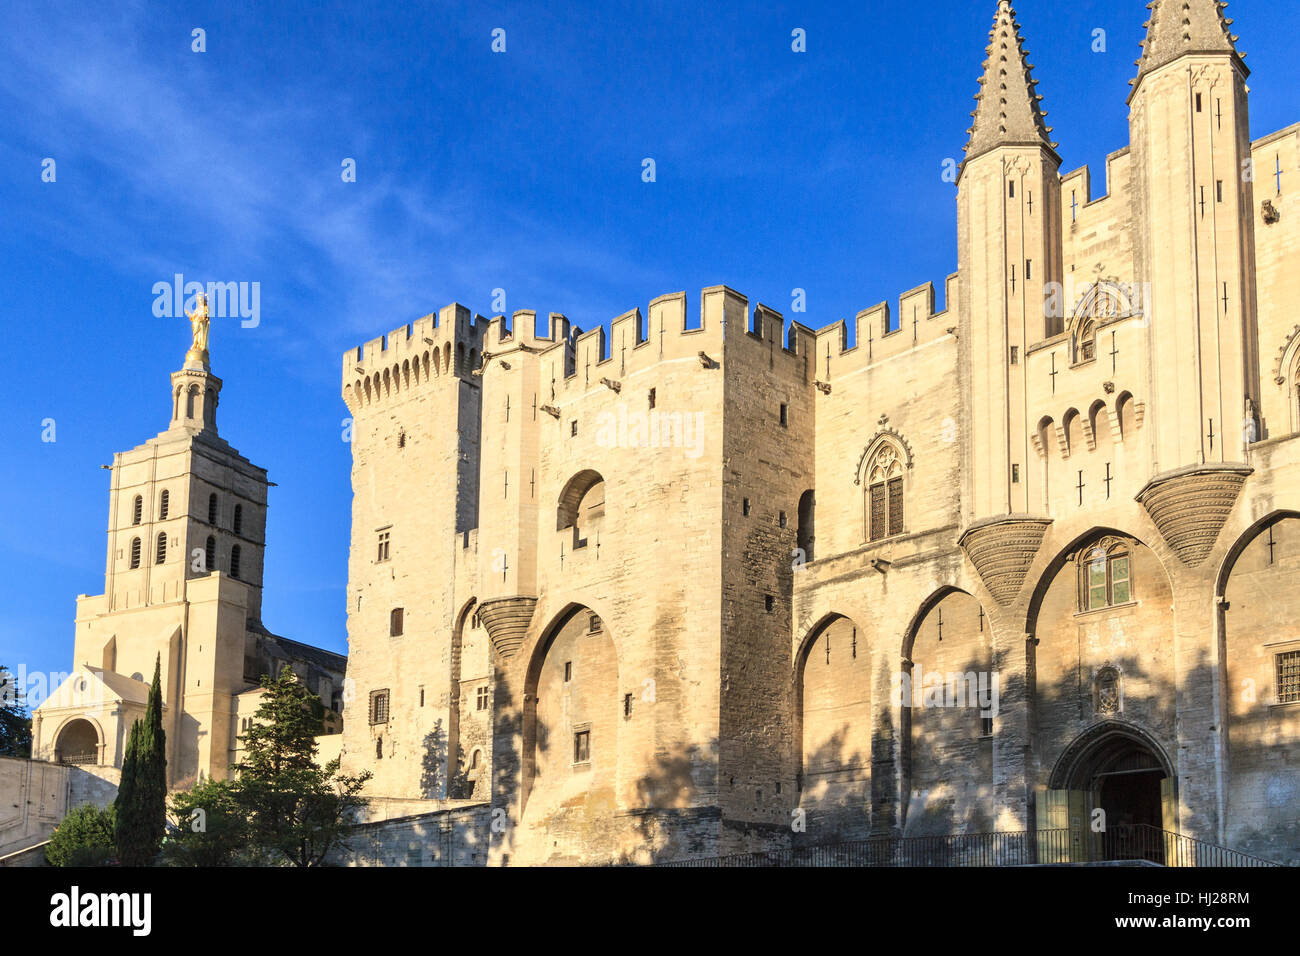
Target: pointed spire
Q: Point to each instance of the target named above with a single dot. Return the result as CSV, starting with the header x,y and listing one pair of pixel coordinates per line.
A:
x,y
1007,112
1184,26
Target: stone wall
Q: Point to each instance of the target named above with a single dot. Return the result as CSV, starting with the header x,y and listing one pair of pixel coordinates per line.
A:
x,y
445,837
36,795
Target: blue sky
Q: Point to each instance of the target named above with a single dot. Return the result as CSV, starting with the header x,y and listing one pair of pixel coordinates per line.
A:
x,y
475,171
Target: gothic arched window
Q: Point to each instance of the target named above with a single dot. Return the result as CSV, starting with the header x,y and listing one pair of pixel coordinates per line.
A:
x,y
234,561
237,525
161,554
137,510
1105,575
163,501
135,553
884,496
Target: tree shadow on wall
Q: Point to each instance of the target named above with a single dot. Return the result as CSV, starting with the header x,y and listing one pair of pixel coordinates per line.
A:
x,y
1123,693
672,817
432,762
947,763
833,793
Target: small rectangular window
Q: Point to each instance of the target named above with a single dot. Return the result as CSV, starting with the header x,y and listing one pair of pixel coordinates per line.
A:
x,y
1288,677
1012,184
1119,578
785,414
382,554
573,427
1096,584
421,696
378,707
1015,355
1218,186
745,506
627,705
1015,474
895,505
1029,270
652,398
582,746
782,519
395,622
769,602
986,726
568,671
482,697
1198,102
876,521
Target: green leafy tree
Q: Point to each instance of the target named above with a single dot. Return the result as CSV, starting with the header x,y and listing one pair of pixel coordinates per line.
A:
x,y
83,838
297,811
141,803
15,721
208,827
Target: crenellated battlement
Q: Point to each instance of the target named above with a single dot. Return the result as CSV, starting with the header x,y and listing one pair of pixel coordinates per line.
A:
x,y
665,332
449,342
443,343
1076,185
877,338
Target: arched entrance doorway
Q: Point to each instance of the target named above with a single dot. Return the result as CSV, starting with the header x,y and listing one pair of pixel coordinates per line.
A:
x,y
1114,790
77,743
575,713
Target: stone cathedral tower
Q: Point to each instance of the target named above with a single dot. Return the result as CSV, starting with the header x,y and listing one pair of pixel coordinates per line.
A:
x,y
182,584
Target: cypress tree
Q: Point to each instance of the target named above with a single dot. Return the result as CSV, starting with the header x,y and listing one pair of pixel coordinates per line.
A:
x,y
141,804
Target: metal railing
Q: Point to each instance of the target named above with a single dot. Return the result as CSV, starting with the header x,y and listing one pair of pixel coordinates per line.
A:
x,y
1011,848
1122,843
78,760
1141,841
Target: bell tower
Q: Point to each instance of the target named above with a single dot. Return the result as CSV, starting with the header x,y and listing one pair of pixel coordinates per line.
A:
x,y
185,504
194,387
182,581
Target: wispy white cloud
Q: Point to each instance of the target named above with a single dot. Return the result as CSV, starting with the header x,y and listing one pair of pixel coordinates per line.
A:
x,y
228,183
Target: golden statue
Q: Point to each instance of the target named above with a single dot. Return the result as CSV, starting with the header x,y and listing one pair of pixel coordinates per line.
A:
x,y
199,327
